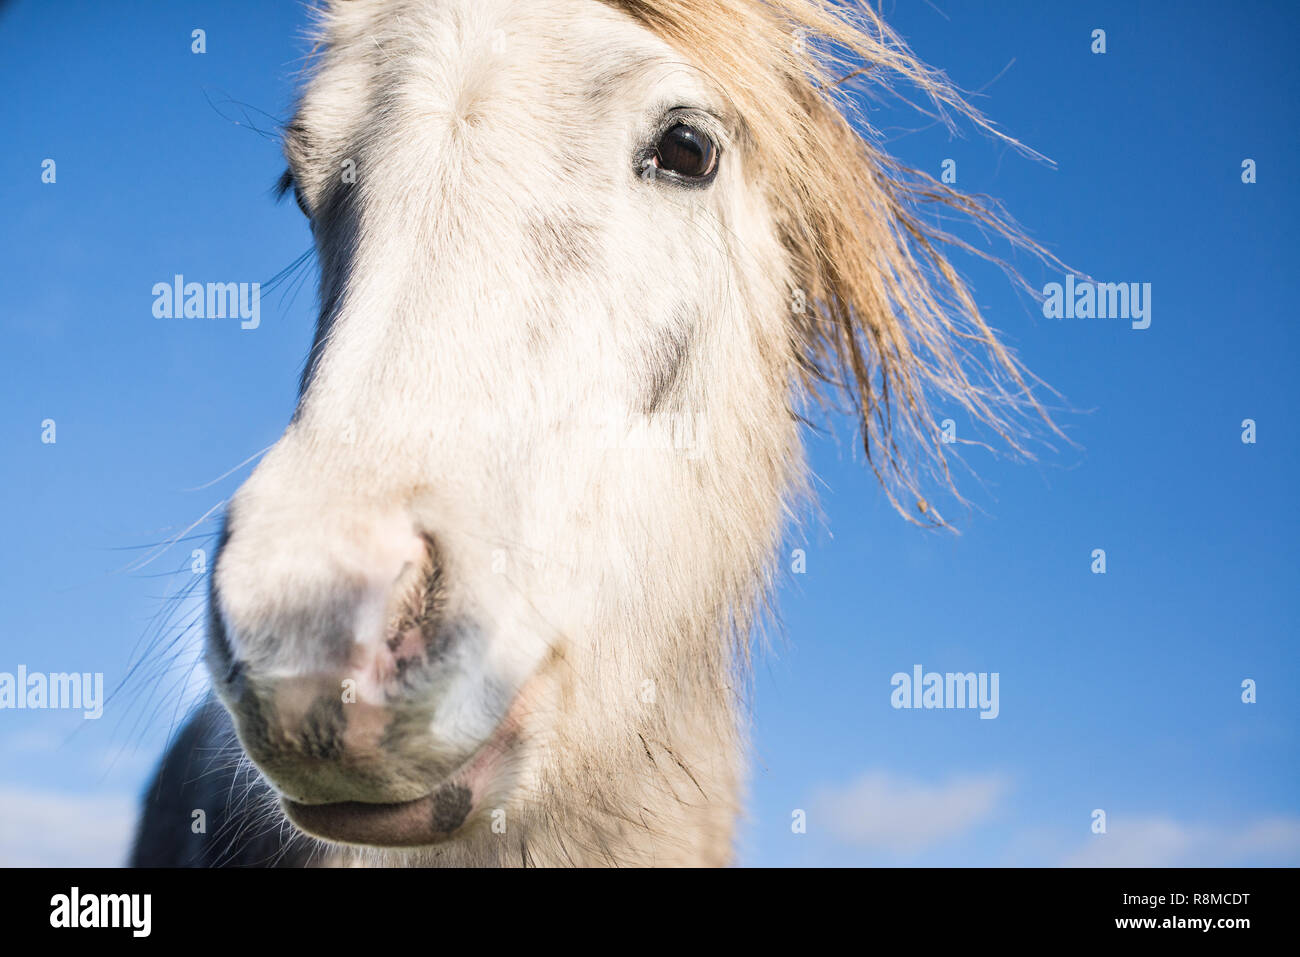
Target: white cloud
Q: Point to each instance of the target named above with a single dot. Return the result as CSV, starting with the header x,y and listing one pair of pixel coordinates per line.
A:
x,y
886,811
57,829
1161,841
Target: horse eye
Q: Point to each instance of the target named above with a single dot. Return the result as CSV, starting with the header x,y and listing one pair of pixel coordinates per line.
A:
x,y
686,152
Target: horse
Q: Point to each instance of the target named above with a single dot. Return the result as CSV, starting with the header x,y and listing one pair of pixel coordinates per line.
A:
x,y
586,269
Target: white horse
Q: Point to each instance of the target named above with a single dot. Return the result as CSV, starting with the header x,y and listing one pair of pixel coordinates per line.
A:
x,y
585,265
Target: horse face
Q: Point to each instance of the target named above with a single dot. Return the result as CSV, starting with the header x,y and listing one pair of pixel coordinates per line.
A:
x,y
542,434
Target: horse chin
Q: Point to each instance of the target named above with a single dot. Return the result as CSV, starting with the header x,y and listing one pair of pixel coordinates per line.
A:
x,y
447,811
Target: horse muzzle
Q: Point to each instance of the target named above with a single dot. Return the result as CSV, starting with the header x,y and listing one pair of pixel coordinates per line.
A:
x,y
365,704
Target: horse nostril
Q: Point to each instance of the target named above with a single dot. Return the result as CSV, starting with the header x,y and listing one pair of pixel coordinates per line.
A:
x,y
415,631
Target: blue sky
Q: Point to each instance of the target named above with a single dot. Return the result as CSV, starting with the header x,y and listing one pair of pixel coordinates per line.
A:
x,y
1119,692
